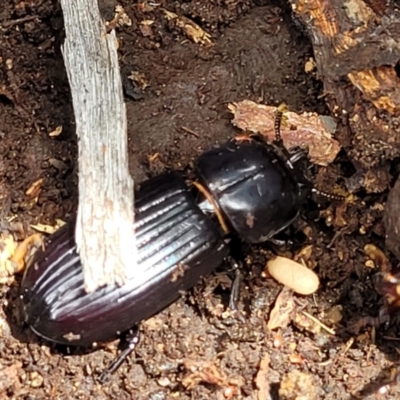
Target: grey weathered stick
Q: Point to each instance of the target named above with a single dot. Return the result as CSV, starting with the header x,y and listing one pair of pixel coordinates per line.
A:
x,y
104,230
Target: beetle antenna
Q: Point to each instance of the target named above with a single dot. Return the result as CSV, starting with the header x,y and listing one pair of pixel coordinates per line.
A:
x,y
327,195
277,126
278,138
280,110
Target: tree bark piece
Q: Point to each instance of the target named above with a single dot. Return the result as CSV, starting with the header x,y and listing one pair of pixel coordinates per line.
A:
x,y
306,130
349,36
380,86
392,220
104,229
357,50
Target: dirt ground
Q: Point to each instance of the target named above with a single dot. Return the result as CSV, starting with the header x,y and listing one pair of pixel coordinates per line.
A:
x,y
190,350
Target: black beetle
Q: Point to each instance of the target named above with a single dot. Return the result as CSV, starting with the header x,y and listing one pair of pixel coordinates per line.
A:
x,y
250,185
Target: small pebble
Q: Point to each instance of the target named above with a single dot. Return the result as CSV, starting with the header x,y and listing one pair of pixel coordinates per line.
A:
x,y
164,381
36,379
293,275
296,385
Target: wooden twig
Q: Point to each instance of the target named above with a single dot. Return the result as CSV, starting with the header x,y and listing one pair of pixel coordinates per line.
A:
x,y
9,24
104,229
318,322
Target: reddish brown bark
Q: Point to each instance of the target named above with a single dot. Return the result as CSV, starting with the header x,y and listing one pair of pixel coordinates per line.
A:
x,y
356,48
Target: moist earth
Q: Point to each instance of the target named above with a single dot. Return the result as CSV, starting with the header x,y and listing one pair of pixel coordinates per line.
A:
x,y
176,109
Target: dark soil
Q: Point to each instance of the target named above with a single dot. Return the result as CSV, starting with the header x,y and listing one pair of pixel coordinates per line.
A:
x,y
190,350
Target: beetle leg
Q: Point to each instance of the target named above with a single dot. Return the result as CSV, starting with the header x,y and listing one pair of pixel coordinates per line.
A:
x,y
132,338
235,289
234,296
280,243
296,156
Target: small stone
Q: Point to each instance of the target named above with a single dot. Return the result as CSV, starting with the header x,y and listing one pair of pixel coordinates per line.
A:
x,y
36,379
164,381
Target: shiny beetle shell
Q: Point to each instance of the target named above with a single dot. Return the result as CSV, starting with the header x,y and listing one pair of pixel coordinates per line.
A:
x,y
255,189
177,244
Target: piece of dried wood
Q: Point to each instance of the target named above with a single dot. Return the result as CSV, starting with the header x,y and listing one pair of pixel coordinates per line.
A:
x,y
104,229
282,312
349,35
381,86
262,379
356,47
304,130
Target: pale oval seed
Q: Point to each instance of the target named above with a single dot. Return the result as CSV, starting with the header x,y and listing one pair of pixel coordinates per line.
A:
x,y
293,275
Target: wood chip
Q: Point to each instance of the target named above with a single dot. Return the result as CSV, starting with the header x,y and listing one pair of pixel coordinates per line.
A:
x,y
318,322
306,324
21,253
378,257
56,132
261,380
13,255
305,130
190,28
48,229
7,249
202,371
207,371
145,28
9,376
297,385
35,189
281,314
